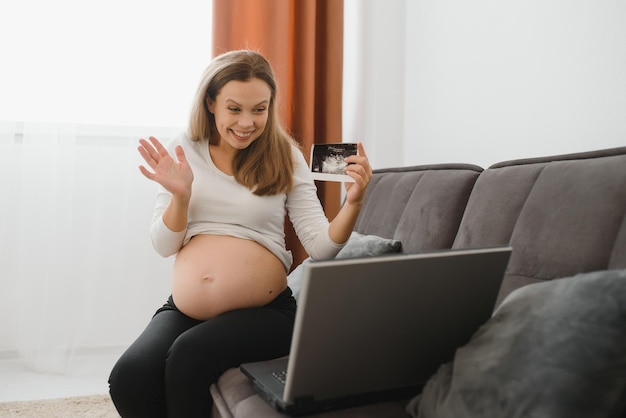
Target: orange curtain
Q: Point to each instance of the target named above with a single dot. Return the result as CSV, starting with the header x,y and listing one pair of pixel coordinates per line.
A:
x,y
303,40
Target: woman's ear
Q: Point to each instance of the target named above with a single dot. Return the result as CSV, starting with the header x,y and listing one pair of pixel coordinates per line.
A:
x,y
210,105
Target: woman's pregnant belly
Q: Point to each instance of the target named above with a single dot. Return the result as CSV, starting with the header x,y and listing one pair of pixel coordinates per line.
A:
x,y
217,273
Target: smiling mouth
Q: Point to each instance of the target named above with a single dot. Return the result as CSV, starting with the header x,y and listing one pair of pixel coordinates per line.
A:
x,y
241,135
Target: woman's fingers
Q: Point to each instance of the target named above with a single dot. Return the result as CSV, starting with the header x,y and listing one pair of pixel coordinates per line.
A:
x,y
148,152
359,165
148,174
180,154
152,152
361,149
159,147
174,175
360,170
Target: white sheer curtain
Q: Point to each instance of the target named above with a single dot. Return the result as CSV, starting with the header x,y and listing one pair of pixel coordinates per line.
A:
x,y
78,271
483,81
80,83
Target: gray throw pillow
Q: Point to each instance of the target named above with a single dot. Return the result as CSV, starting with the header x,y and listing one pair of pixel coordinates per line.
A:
x,y
552,349
358,245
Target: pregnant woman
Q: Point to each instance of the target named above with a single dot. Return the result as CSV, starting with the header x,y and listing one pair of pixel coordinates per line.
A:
x,y
225,187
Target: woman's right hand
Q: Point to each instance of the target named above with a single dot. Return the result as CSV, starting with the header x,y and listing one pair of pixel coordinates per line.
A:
x,y
174,176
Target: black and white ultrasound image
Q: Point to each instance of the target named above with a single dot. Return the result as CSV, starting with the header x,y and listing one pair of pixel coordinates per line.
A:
x,y
329,158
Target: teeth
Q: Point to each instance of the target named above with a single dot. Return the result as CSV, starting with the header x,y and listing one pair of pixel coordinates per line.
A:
x,y
242,134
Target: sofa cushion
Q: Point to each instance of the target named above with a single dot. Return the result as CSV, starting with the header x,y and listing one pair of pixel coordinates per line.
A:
x,y
552,349
421,206
358,245
562,215
235,397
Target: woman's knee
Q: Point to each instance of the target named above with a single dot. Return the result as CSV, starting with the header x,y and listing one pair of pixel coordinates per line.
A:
x,y
129,371
136,386
190,370
191,358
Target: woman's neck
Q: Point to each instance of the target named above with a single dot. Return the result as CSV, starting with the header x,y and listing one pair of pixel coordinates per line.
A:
x,y
223,157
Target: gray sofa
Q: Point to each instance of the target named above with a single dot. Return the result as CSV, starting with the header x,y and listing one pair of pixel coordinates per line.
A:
x,y
556,344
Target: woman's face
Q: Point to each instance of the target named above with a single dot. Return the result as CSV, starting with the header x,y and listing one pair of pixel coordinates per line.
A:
x,y
241,111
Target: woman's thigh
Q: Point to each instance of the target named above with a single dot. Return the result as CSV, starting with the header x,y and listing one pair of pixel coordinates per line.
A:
x,y
174,361
201,354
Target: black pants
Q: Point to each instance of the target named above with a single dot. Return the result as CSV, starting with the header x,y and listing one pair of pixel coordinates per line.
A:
x,y
168,370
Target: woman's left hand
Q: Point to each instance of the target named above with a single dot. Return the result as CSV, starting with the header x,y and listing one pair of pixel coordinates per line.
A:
x,y
360,170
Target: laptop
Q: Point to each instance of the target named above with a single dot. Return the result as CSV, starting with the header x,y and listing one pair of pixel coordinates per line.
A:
x,y
375,329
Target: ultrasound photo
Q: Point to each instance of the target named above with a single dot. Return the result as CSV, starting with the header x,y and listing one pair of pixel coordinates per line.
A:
x,y
327,161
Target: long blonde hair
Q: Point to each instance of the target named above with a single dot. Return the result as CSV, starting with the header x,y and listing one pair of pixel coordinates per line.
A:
x,y
266,166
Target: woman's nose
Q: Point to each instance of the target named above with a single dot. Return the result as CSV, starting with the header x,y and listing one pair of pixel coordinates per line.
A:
x,y
246,120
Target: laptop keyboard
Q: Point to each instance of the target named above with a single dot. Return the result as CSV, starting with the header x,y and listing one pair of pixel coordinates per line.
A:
x,y
280,376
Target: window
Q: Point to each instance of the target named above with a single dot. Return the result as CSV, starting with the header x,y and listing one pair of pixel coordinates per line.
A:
x,y
115,62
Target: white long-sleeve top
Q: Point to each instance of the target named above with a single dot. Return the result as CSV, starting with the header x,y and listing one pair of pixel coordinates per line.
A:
x,y
219,205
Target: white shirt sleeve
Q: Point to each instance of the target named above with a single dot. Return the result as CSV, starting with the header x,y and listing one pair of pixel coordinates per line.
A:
x,y
165,241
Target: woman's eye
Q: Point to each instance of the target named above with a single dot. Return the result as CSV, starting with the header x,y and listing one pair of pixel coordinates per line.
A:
x,y
259,110
233,109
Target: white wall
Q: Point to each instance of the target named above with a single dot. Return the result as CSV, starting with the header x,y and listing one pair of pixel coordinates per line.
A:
x,y
486,81
374,71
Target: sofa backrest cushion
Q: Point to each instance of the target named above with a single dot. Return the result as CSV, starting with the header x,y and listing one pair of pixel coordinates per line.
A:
x,y
420,206
562,215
